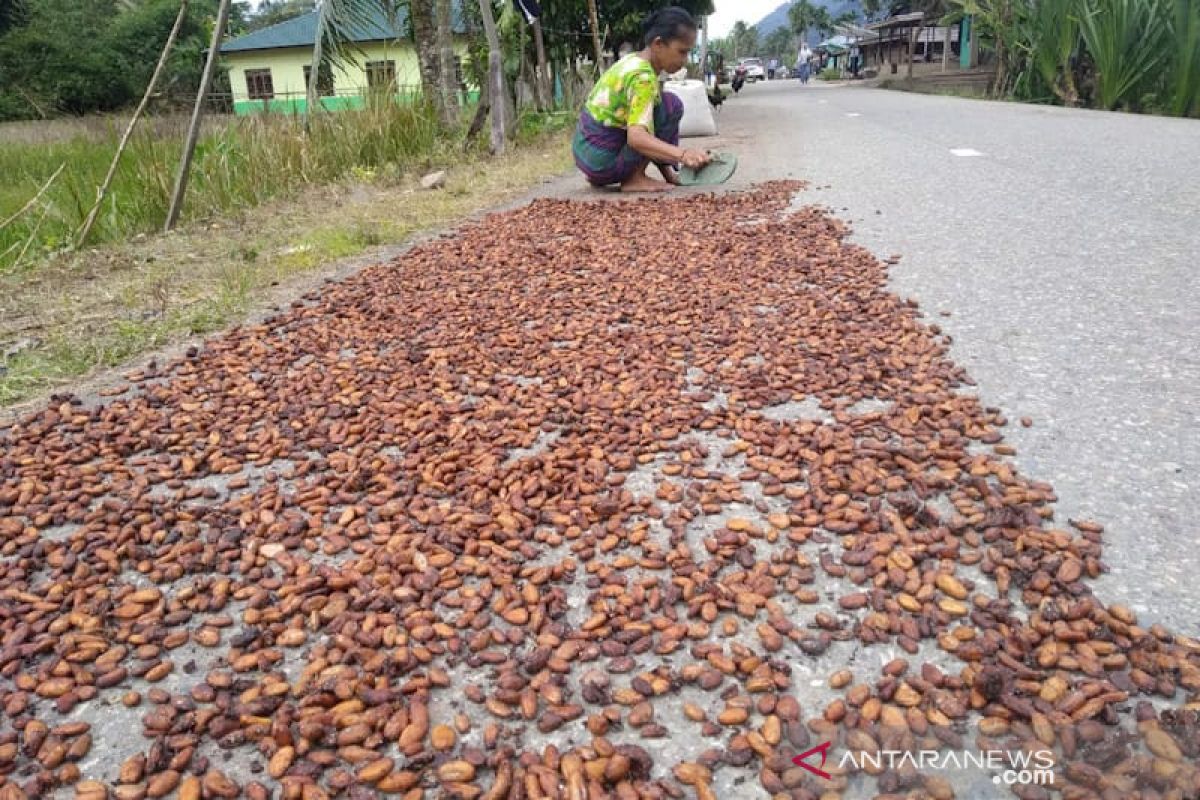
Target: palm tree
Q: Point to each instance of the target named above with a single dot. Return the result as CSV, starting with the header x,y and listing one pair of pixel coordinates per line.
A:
x,y
447,74
334,46
425,38
800,17
804,17
737,36
823,24
333,40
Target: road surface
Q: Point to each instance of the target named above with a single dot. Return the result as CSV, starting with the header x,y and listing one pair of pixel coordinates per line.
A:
x,y
1059,249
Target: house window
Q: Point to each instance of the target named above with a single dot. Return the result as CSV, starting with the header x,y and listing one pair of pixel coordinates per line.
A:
x,y
258,84
324,80
381,74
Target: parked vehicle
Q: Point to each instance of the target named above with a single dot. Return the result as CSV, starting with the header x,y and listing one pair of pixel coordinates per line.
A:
x,y
755,71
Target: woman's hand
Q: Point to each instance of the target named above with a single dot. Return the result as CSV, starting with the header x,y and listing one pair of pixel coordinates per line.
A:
x,y
695,159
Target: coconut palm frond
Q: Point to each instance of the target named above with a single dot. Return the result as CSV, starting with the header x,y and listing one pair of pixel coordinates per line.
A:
x,y
340,24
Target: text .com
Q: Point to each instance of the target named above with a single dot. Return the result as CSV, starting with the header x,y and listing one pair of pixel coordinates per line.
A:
x,y
1012,768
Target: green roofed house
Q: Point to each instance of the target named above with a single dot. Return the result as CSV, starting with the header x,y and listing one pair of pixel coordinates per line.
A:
x,y
269,68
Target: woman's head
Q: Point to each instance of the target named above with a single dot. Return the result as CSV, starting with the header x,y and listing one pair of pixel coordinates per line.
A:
x,y
669,34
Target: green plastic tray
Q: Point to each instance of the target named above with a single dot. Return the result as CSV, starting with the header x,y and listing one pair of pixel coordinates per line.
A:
x,y
719,170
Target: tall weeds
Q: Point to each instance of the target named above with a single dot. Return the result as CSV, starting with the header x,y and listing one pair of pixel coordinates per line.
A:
x,y
237,166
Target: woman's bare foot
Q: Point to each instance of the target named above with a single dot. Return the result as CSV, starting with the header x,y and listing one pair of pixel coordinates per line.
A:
x,y
639,182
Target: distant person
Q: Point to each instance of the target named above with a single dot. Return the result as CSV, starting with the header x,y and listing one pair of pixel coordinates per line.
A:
x,y
628,121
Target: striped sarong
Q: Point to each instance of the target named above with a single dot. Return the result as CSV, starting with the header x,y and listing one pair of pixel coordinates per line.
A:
x,y
603,154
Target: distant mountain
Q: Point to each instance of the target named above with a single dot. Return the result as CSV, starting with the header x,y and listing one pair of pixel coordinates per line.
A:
x,y
779,17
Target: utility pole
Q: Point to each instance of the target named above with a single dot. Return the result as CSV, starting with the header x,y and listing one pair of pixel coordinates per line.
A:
x,y
912,48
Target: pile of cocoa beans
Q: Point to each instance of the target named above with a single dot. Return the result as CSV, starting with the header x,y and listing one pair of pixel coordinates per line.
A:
x,y
572,503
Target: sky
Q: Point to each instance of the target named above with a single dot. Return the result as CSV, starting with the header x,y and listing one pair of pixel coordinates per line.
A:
x,y
730,11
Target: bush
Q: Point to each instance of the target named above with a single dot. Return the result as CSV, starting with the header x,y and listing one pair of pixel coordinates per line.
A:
x,y
830,74
1133,55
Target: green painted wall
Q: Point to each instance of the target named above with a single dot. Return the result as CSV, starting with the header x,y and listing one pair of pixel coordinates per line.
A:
x,y
349,84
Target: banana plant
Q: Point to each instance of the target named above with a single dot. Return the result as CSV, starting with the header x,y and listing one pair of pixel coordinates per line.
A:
x,y
1003,22
1054,46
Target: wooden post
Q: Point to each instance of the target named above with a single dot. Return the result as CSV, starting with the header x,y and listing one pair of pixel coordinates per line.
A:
x,y
495,77
973,57
596,35
912,46
946,48
704,51
189,145
137,114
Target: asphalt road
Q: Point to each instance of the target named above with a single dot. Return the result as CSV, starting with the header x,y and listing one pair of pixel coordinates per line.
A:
x,y
1064,255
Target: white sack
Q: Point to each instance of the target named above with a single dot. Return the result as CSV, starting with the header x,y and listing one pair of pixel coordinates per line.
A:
x,y
697,113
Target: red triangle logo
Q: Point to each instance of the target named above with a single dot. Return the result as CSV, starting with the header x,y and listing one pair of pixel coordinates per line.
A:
x,y
823,749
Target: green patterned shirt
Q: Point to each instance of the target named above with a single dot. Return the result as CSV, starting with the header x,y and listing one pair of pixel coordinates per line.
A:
x,y
626,94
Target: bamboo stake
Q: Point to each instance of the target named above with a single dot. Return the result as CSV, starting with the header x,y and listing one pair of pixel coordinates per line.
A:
x,y
33,200
595,20
189,146
137,114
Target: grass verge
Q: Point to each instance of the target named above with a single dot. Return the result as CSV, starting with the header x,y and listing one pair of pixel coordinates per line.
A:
x,y
102,306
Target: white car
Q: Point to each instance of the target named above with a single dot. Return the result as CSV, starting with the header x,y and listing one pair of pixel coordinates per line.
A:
x,y
755,71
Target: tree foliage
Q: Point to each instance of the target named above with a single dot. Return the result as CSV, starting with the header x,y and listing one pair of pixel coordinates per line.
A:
x,y
73,57
805,18
742,40
780,44
272,12
46,71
